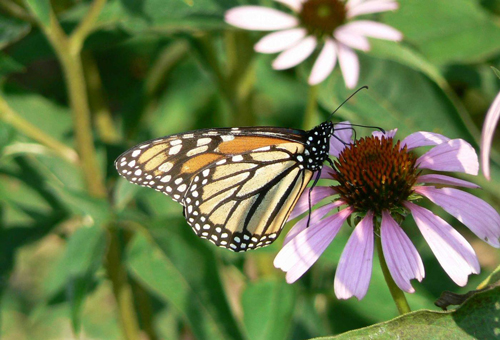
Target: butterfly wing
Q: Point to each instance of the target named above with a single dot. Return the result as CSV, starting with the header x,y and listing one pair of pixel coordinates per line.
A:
x,y
237,186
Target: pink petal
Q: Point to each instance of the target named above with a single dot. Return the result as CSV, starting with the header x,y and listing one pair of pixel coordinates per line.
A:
x,y
351,38
316,216
371,7
454,155
318,193
280,41
373,29
326,172
355,266
401,256
324,64
476,214
298,255
387,134
453,252
295,5
260,18
423,138
342,133
296,54
489,126
349,64
447,180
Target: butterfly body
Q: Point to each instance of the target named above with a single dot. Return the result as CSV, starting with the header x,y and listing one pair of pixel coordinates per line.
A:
x,y
237,185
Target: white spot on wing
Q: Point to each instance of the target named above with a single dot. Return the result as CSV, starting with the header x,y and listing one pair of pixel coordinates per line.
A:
x,y
174,150
203,141
165,167
197,150
136,153
227,138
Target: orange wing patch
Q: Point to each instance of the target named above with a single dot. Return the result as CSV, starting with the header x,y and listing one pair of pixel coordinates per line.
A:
x,y
196,163
246,143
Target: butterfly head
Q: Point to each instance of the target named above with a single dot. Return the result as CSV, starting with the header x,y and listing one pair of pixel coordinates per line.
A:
x,y
317,146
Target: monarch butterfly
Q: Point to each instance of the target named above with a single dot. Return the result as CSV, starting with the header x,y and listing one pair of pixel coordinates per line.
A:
x,y
237,185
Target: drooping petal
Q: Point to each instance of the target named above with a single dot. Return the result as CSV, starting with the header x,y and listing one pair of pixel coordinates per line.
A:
x,y
454,155
298,255
316,216
368,7
294,5
447,180
326,172
317,194
355,266
349,64
423,138
451,249
260,18
325,63
296,54
489,126
280,41
373,29
400,254
341,137
351,38
473,212
387,134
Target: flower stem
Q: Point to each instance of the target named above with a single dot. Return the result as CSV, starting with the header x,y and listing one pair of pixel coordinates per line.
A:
x,y
397,294
310,113
8,115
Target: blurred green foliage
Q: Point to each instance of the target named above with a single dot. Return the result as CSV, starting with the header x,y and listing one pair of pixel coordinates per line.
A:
x,y
113,260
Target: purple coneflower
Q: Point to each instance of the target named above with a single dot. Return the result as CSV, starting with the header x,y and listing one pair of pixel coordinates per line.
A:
x,y
378,182
316,22
489,126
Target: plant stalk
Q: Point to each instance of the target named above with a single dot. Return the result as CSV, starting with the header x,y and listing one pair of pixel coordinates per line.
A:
x,y
397,294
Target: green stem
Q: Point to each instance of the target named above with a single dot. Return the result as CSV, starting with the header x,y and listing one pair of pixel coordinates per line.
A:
x,y
8,115
101,114
70,60
121,288
397,294
312,104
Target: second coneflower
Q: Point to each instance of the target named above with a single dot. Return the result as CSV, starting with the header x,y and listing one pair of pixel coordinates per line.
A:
x,y
326,23
379,181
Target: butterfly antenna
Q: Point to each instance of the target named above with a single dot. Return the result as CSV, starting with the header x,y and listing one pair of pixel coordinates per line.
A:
x,y
345,101
350,125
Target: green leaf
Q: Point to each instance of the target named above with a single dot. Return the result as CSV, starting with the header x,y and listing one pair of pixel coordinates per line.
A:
x,y
12,30
97,211
181,270
398,97
41,9
75,272
496,71
8,65
447,31
268,309
477,318
174,15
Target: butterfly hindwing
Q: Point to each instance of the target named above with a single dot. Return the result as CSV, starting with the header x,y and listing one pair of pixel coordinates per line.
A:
x,y
242,202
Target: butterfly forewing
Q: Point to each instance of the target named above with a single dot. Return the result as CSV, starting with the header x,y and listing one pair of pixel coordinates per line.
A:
x,y
238,186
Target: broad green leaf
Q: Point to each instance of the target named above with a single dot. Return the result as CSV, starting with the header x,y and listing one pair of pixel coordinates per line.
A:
x,y
11,30
41,10
174,15
447,31
96,211
477,318
268,309
75,272
181,270
398,97
8,65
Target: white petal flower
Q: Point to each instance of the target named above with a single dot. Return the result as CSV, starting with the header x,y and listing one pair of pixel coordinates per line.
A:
x,y
324,22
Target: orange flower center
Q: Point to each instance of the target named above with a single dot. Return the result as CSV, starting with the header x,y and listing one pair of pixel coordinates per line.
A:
x,y
374,174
